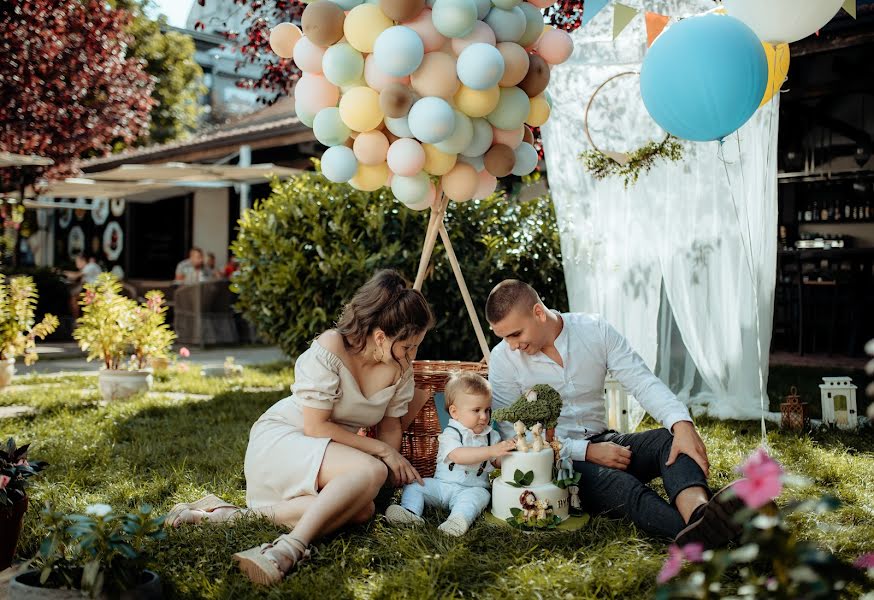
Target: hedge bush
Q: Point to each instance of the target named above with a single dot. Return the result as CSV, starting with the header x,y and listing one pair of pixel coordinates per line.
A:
x,y
305,249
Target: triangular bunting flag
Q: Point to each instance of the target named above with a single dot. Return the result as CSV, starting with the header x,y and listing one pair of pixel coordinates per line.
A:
x,y
850,7
622,16
592,8
655,23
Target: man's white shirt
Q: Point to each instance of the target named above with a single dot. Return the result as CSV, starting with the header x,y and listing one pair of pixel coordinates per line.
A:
x,y
589,346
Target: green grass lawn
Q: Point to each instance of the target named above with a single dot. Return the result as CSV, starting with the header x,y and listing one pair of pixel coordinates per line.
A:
x,y
189,435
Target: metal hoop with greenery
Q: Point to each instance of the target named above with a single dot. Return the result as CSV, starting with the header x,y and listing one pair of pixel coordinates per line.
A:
x,y
628,165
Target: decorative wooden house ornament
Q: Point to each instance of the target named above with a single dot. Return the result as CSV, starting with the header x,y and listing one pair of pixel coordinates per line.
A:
x,y
838,396
795,414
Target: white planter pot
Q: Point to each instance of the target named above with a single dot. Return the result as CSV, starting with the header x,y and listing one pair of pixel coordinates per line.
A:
x,y
118,384
7,370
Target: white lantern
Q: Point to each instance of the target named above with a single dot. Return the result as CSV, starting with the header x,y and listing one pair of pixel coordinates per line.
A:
x,y
618,416
838,396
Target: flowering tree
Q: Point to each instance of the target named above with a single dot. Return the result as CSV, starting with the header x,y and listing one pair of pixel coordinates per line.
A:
x,y
66,85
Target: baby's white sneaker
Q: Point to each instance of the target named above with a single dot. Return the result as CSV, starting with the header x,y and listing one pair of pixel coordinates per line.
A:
x,y
398,515
454,526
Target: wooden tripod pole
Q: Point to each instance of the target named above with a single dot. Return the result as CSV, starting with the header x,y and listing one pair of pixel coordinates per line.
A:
x,y
435,228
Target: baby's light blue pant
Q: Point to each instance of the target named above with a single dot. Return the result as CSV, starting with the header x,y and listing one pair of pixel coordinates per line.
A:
x,y
464,501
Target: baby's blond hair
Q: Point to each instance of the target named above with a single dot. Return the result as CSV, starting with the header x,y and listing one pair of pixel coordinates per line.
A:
x,y
467,382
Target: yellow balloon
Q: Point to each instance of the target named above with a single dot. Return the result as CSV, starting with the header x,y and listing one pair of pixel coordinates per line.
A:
x,y
778,69
359,109
437,162
477,103
370,178
539,112
363,25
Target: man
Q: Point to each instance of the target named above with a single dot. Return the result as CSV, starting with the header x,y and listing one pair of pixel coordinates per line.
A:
x,y
572,352
87,271
192,270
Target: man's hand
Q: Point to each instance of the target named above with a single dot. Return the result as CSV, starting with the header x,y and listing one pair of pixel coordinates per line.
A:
x,y
608,454
688,442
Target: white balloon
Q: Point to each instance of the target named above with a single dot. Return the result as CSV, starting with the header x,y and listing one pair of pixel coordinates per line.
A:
x,y
783,21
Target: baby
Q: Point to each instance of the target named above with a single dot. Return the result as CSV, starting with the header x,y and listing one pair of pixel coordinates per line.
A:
x,y
468,450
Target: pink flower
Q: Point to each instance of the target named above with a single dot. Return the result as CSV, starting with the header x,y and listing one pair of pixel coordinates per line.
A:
x,y
866,561
694,552
154,303
672,566
89,297
4,481
763,479
182,368
184,352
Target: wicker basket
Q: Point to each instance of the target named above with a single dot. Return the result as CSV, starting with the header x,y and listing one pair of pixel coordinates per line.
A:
x,y
419,442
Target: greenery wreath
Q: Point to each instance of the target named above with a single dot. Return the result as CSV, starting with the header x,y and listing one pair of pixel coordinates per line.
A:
x,y
628,165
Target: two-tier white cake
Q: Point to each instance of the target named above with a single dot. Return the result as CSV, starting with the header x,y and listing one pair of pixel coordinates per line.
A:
x,y
506,497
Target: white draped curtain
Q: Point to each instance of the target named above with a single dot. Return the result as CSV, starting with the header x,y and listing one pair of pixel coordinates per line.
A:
x,y
689,250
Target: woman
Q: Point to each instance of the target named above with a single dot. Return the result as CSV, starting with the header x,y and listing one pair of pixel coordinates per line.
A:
x,y
306,467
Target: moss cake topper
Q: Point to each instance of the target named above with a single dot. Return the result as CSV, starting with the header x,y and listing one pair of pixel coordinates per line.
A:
x,y
540,404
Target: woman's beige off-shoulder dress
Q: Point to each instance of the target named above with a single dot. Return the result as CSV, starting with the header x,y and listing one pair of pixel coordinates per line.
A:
x,y
283,463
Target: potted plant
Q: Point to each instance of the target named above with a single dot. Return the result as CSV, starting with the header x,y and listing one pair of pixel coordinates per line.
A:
x,y
98,553
124,334
18,327
15,470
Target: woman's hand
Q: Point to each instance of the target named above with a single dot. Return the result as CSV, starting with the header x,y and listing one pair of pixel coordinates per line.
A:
x,y
401,472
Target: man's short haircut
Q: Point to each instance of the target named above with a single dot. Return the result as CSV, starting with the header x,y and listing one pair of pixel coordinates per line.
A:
x,y
466,382
507,295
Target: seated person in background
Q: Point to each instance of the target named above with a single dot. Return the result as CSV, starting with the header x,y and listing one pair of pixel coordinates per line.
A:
x,y
210,266
86,271
192,269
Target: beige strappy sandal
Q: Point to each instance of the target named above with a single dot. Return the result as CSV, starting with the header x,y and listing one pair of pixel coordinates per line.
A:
x,y
262,570
208,503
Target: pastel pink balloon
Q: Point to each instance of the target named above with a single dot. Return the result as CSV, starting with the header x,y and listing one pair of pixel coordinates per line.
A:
x,y
509,137
555,46
370,147
314,93
481,33
486,185
424,26
308,56
406,157
542,3
377,79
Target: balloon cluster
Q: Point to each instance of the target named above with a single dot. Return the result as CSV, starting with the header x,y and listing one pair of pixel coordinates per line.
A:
x,y
704,77
405,90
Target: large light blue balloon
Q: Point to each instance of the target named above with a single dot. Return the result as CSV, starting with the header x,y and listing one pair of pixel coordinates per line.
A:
x,y
480,66
477,162
454,18
526,159
482,8
483,135
704,77
329,128
462,135
398,51
411,190
432,120
305,117
507,4
512,109
339,164
508,25
342,64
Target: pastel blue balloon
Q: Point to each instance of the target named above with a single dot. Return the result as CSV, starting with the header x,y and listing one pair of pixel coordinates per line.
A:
x,y
508,25
399,126
704,77
477,162
526,159
482,8
483,136
480,66
461,136
329,128
398,51
339,164
411,190
512,109
507,4
305,117
342,64
454,18
432,120
533,24
347,4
